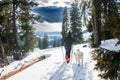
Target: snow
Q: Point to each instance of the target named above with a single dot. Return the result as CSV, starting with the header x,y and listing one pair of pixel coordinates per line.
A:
x,y
54,66
17,64
110,45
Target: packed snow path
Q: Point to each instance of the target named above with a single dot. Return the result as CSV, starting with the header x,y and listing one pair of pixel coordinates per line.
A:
x,y
55,68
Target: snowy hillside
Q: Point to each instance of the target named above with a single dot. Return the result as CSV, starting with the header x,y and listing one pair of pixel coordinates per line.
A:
x,y
54,67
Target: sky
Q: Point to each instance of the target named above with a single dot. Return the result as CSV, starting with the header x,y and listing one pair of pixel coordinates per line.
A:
x,y
47,26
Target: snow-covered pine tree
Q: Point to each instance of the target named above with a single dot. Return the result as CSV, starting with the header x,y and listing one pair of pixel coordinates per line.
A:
x,y
45,41
65,24
55,43
76,25
40,43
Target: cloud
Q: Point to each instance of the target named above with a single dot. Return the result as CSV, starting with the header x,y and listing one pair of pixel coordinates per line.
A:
x,y
48,27
59,3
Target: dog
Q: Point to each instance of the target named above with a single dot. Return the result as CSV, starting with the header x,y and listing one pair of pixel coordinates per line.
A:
x,y
79,57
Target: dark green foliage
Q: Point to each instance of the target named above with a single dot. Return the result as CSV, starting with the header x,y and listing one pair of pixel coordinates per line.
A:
x,y
116,32
29,39
76,25
40,43
65,24
107,62
5,31
12,11
105,20
45,41
110,19
25,20
56,43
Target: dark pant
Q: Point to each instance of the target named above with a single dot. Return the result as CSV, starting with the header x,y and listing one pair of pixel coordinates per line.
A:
x,y
68,52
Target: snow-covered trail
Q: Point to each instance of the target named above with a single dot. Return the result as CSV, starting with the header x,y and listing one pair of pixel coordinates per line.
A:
x,y
72,71
55,67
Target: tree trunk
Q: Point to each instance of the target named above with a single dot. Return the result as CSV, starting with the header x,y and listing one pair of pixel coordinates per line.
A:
x,y
14,25
3,53
97,23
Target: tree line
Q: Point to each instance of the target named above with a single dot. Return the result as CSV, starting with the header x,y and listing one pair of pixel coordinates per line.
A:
x,y
15,26
45,43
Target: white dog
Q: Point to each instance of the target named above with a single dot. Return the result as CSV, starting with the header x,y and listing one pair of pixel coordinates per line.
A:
x,y
79,57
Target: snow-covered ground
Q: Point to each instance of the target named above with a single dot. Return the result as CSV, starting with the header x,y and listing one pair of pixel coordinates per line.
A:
x,y
17,64
55,68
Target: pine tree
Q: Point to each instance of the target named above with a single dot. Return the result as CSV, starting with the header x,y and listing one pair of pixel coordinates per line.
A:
x,y
40,43
6,39
76,24
106,32
110,17
26,19
10,13
65,24
58,43
55,43
107,62
45,41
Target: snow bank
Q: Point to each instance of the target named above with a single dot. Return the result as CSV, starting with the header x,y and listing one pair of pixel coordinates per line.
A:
x,y
17,64
32,55
110,45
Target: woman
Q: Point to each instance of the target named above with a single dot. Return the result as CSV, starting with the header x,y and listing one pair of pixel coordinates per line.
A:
x,y
68,41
